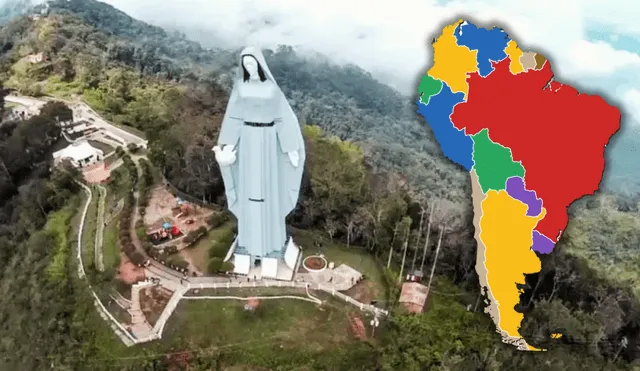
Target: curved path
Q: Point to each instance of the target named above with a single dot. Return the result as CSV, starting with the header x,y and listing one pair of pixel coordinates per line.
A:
x,y
81,111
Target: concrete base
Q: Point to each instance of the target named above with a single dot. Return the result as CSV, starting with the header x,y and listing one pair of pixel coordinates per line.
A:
x,y
284,271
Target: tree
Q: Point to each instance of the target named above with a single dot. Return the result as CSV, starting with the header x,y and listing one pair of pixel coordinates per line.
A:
x,y
218,250
215,264
227,266
132,147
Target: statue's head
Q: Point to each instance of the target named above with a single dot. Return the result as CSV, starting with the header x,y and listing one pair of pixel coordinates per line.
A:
x,y
252,70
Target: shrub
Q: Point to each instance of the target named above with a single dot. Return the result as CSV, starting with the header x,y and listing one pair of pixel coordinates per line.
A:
x,y
128,248
188,239
125,240
191,237
202,230
154,253
177,261
217,219
146,245
139,223
132,147
137,258
218,250
227,266
170,250
214,265
226,238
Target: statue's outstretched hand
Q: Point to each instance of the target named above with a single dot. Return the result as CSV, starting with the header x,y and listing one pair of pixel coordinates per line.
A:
x,y
225,156
294,157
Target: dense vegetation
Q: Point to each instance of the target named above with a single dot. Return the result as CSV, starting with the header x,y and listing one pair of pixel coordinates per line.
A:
x,y
370,171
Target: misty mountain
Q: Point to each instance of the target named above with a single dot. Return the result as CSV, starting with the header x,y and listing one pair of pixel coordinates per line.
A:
x,y
13,8
343,99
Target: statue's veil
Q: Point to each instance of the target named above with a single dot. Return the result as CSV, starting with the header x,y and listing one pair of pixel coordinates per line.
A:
x,y
257,54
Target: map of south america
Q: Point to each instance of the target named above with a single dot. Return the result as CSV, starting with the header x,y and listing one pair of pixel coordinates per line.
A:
x,y
531,145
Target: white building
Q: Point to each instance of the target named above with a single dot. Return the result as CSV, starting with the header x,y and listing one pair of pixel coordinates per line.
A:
x,y
80,154
36,58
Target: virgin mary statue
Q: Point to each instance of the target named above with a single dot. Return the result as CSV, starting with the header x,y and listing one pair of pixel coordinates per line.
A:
x,y
261,155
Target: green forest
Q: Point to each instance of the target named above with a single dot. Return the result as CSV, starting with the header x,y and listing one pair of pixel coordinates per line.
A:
x,y
371,169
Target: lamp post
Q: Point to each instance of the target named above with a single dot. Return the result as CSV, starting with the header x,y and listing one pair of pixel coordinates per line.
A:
x,y
374,323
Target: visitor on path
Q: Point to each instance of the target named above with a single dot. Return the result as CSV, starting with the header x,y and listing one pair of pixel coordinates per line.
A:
x,y
330,279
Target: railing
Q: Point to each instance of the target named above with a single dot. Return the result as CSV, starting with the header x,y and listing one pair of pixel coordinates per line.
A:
x,y
293,284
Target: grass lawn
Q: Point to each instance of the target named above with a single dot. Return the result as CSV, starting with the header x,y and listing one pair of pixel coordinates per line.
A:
x,y
199,253
110,245
89,232
373,287
281,322
58,225
55,87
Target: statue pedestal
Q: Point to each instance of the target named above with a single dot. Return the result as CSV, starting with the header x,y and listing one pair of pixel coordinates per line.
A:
x,y
281,265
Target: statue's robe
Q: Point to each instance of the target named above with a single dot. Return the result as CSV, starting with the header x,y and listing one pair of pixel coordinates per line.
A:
x,y
262,186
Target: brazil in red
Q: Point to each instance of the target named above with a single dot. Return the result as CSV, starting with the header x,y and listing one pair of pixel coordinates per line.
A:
x,y
531,145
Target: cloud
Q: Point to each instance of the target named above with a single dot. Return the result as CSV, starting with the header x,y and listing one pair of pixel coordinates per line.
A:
x,y
620,15
591,58
392,38
631,99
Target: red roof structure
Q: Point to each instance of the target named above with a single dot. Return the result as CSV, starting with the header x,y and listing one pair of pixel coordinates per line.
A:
x,y
413,296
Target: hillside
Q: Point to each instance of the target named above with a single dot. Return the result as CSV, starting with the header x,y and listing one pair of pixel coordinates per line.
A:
x,y
344,100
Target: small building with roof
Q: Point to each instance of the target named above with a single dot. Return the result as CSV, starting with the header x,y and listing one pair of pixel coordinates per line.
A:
x,y
80,154
413,296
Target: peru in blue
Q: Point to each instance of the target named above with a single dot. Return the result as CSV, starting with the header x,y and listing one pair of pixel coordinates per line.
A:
x,y
457,146
490,44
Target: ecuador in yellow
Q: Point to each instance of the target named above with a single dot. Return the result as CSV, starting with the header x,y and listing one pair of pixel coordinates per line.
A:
x,y
506,233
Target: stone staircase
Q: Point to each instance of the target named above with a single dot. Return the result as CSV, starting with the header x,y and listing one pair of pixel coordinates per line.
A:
x,y
140,327
122,302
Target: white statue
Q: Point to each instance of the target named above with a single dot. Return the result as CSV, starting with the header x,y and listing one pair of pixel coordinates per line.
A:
x,y
261,156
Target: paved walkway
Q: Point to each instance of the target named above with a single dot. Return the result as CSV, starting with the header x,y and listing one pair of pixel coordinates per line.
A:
x,y
140,328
